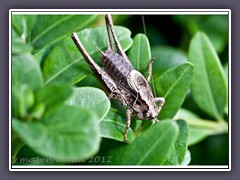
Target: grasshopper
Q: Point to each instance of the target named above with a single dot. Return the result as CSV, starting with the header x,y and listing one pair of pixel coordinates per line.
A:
x,y
121,81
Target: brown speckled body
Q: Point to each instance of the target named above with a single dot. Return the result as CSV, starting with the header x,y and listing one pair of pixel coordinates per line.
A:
x,y
116,67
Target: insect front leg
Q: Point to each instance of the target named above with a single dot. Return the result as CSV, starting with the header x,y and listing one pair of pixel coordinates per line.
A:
x,y
150,68
162,100
128,123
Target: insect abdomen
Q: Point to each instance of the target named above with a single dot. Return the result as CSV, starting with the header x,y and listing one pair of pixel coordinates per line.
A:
x,y
116,66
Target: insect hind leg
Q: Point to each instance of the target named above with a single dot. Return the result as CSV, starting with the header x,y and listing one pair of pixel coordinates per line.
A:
x,y
110,29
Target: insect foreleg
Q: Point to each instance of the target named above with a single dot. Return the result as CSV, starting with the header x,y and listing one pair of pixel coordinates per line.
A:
x,y
162,100
128,123
150,68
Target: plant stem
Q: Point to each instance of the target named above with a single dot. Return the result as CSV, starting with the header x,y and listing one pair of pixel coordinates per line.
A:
x,y
219,127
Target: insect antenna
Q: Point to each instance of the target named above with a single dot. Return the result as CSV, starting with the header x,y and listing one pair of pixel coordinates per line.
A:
x,y
144,27
145,32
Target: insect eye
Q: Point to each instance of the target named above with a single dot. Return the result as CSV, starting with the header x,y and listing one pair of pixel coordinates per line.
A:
x,y
146,114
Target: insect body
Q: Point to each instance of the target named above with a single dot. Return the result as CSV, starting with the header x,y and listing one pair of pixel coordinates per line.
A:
x,y
122,82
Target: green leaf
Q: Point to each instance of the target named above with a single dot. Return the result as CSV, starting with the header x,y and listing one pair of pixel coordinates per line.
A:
x,y
70,134
207,24
208,87
25,70
179,149
65,64
150,148
199,129
113,126
50,29
50,99
140,53
173,86
91,98
167,58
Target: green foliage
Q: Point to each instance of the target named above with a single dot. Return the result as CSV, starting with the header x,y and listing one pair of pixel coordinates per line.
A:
x,y
179,148
60,113
208,79
57,135
150,148
173,86
50,29
140,53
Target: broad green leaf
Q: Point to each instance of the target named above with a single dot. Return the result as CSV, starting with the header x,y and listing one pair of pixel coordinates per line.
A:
x,y
167,58
199,129
70,134
114,124
173,86
52,96
150,148
91,98
65,64
25,70
208,87
179,149
52,28
140,54
114,130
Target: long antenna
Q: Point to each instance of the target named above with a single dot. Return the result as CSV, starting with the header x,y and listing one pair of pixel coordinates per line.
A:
x,y
145,32
144,27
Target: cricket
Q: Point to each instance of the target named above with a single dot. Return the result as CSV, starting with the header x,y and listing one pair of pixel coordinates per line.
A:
x,y
121,81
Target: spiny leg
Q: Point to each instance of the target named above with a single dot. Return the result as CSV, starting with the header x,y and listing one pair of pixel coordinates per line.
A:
x,y
150,68
94,66
110,43
128,122
107,82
